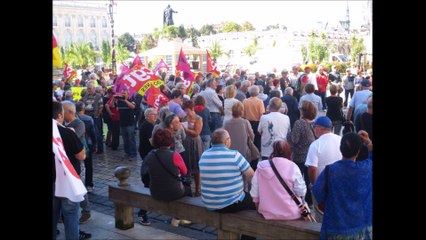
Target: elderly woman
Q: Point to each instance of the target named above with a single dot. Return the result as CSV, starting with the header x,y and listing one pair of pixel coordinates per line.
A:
x,y
193,144
253,110
300,137
239,130
271,199
230,100
164,167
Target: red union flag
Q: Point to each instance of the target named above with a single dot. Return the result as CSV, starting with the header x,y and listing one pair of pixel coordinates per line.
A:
x,y
68,183
211,66
155,96
140,78
69,73
184,67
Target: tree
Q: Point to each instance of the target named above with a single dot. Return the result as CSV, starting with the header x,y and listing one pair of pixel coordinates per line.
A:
x,y
170,32
304,51
182,32
230,27
80,55
127,41
193,33
216,50
252,48
148,42
122,53
247,26
207,30
357,47
106,53
317,48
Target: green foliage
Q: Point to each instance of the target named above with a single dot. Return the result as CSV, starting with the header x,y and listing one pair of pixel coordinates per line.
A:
x,y
106,53
193,33
148,42
170,32
216,50
247,26
207,30
231,27
304,51
251,49
121,53
318,50
127,41
182,32
312,66
341,67
357,47
80,56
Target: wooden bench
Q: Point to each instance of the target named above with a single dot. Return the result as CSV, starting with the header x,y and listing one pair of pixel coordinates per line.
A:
x,y
228,225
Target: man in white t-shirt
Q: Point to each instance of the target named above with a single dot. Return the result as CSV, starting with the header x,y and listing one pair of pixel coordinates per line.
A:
x,y
272,126
323,151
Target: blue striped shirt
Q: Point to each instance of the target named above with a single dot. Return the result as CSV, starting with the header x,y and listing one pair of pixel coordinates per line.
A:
x,y
221,177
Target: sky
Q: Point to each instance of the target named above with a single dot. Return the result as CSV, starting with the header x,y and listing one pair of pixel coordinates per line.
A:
x,y
144,16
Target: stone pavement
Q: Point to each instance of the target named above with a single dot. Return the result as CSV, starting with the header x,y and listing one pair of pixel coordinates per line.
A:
x,y
102,227
103,175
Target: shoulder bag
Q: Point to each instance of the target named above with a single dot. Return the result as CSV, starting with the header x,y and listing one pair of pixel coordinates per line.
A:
x,y
304,210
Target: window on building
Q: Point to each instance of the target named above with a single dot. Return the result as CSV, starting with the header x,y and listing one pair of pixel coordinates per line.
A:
x,y
104,23
55,21
68,38
92,22
80,37
80,21
105,36
67,21
93,39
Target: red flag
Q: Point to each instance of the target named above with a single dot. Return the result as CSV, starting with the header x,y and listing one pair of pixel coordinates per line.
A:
x,y
68,183
69,73
160,65
139,78
184,67
56,57
155,97
137,61
211,66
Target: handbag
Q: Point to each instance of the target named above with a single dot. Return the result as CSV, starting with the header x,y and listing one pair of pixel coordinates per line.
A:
x,y
186,180
254,152
304,209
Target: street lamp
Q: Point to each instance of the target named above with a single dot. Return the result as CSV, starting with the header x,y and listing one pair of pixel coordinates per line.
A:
x,y
111,16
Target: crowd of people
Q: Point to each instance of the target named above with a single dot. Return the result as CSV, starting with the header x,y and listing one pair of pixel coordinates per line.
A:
x,y
209,136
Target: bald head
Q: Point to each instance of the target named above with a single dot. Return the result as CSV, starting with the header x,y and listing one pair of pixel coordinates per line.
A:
x,y
219,136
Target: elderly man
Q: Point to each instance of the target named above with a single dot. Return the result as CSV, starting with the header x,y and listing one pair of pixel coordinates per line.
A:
x,y
224,173
272,126
213,103
323,151
94,105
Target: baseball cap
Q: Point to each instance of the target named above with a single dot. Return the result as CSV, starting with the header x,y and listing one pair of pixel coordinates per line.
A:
x,y
323,121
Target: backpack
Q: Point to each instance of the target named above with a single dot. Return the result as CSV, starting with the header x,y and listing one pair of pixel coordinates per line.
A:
x,y
299,82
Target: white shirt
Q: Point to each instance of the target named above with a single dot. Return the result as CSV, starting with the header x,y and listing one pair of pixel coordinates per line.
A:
x,y
323,151
272,126
312,78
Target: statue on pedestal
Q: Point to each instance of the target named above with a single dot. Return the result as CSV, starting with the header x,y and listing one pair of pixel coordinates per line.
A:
x,y
168,16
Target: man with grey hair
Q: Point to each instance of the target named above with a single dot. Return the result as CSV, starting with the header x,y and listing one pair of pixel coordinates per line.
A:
x,y
292,105
94,106
224,173
243,90
213,103
272,126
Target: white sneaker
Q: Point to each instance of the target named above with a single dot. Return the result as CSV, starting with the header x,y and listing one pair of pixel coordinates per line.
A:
x,y
175,222
185,222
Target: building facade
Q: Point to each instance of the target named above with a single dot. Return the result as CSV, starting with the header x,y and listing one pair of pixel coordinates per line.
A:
x,y
78,21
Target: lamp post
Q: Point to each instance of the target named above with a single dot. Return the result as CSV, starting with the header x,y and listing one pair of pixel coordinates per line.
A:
x,y
111,16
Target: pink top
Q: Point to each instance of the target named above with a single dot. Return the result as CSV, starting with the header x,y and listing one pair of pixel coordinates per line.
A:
x,y
274,201
179,163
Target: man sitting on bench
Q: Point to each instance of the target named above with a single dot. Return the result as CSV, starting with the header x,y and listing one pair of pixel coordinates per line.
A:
x,y
224,173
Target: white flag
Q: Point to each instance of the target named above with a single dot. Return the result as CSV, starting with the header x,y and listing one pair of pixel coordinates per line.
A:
x,y
68,183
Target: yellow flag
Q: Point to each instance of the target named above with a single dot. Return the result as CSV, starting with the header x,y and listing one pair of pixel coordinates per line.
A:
x,y
57,62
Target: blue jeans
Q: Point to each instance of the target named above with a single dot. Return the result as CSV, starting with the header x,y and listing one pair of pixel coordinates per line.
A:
x,y
69,210
129,140
206,141
216,121
100,133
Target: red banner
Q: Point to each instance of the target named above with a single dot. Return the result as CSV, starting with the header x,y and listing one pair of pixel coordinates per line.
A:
x,y
211,66
140,78
155,97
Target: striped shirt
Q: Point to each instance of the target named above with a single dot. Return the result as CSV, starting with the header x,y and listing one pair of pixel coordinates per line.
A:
x,y
221,177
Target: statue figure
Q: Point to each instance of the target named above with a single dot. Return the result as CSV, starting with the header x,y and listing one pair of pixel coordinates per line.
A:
x,y
168,16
